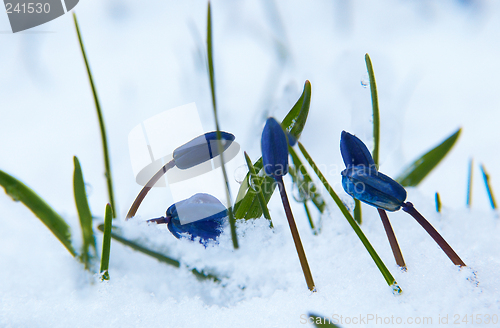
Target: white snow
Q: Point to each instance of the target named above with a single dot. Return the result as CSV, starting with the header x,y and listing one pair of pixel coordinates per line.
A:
x,y
436,65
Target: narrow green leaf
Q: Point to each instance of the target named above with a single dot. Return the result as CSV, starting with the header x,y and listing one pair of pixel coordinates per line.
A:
x,y
376,113
256,186
321,321
20,192
489,190
381,266
376,129
417,171
309,218
296,118
247,205
438,203
107,165
84,214
357,211
232,220
306,184
116,235
306,188
469,184
106,244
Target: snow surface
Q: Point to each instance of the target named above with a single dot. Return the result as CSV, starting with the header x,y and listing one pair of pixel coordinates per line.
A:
x,y
436,64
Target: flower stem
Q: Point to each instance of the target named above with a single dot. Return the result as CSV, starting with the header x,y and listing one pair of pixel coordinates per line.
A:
x,y
295,235
138,200
398,256
408,208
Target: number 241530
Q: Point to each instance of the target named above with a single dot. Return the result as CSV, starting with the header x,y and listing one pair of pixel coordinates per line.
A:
x,y
479,318
29,8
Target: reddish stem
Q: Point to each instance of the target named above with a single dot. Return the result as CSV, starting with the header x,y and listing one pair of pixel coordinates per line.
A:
x,y
160,220
295,235
398,256
142,194
408,207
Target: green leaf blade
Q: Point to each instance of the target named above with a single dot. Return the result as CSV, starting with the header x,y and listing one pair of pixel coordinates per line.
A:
x,y
489,189
135,245
357,211
52,220
296,118
305,183
84,214
438,202
419,169
106,243
232,220
375,108
469,184
102,126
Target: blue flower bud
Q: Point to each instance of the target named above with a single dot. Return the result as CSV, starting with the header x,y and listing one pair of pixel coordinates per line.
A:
x,y
354,151
201,215
372,187
274,146
201,149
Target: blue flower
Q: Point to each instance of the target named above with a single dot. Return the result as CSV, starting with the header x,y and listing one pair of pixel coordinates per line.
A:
x,y
372,187
354,151
201,149
201,216
363,181
274,146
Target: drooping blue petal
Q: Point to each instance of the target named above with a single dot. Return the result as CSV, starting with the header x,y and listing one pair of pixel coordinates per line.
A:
x,y
372,187
201,149
205,216
274,146
354,151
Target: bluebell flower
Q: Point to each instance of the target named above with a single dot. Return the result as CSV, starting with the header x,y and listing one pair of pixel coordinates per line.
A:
x,y
201,216
201,149
363,181
354,151
372,187
274,146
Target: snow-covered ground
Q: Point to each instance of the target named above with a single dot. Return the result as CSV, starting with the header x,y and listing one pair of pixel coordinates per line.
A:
x,y
436,65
